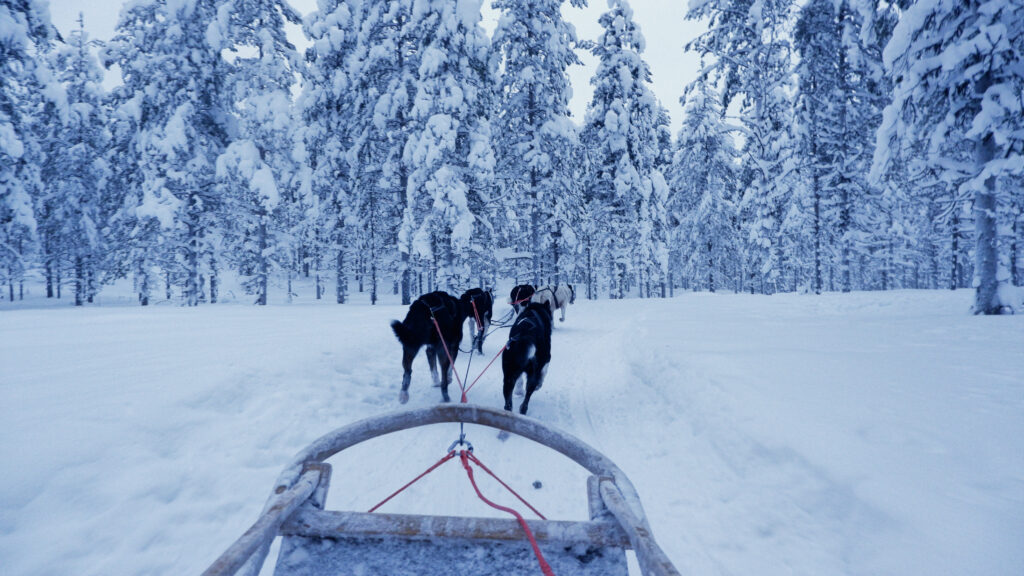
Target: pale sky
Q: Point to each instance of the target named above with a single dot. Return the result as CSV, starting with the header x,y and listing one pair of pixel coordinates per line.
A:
x,y
662,22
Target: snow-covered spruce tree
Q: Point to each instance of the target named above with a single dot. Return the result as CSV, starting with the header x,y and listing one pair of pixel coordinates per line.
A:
x,y
748,43
383,67
821,126
958,67
621,131
1015,214
26,89
874,213
533,131
842,91
178,81
326,105
256,168
666,146
76,168
703,191
449,152
124,185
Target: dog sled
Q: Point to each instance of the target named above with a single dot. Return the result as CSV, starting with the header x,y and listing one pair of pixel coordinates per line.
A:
x,y
318,542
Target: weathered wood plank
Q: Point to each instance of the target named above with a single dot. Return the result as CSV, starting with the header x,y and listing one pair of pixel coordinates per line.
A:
x,y
311,522
558,440
259,535
396,556
652,559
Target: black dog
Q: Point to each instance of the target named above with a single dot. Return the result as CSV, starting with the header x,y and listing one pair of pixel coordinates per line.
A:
x,y
418,329
477,305
529,351
520,296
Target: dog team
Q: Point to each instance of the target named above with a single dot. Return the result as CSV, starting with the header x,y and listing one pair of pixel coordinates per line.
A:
x,y
435,320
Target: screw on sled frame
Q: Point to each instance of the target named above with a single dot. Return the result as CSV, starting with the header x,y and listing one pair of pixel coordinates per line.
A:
x,y
317,541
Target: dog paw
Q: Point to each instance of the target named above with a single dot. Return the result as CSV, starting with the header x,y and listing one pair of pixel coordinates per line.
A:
x,y
403,397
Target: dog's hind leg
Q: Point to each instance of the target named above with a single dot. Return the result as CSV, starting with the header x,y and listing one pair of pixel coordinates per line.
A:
x,y
476,336
446,377
432,362
408,354
540,378
534,376
510,383
483,333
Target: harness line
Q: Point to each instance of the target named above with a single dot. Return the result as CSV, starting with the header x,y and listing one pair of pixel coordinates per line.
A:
x,y
479,324
446,458
466,456
500,352
544,566
451,361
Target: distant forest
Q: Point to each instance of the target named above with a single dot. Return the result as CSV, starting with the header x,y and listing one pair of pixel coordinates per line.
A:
x,y
831,145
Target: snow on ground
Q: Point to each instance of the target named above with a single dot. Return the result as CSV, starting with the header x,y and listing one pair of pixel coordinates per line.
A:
x,y
863,434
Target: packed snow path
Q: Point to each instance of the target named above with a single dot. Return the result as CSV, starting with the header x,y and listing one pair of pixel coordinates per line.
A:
x,y
843,434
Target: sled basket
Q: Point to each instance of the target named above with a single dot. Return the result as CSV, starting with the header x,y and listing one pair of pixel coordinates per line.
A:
x,y
318,542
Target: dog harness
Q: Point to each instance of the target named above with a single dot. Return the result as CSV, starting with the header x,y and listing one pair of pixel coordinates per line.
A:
x,y
554,295
533,320
442,305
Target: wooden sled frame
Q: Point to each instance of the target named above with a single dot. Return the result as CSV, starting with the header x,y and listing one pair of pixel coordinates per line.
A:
x,y
295,508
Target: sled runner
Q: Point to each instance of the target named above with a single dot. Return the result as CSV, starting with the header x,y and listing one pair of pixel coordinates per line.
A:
x,y
321,542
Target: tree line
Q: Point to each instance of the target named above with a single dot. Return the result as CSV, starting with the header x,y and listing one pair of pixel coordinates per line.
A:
x,y
837,145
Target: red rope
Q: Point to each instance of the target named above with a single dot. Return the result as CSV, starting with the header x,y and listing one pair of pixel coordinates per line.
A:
x,y
451,362
507,487
479,324
544,566
446,458
523,300
470,387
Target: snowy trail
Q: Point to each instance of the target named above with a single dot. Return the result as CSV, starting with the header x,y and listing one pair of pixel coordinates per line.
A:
x,y
843,434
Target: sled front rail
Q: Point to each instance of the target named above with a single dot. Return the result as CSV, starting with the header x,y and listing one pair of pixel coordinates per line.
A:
x,y
317,542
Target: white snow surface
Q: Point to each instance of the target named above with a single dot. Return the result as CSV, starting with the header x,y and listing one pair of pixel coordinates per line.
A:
x,y
866,433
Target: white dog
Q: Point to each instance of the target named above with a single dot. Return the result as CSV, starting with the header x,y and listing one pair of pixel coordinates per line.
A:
x,y
556,297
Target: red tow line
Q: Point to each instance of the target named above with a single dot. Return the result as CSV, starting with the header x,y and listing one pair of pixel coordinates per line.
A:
x,y
544,566
466,457
479,324
521,301
465,389
451,361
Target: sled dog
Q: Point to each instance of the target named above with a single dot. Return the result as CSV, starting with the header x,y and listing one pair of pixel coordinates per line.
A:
x,y
418,330
556,297
528,352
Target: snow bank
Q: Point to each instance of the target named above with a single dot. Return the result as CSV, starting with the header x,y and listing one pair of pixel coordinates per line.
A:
x,y
867,433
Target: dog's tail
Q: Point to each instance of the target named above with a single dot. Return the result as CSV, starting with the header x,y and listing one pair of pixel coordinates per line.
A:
x,y
402,333
520,352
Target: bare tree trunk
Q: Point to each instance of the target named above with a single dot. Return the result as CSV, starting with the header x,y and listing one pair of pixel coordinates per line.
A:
x,y
711,266
406,280
79,281
214,281
341,289
986,297
954,264
49,277
1014,247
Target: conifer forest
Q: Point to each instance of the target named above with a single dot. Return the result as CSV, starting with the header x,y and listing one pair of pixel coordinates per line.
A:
x,y
826,145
